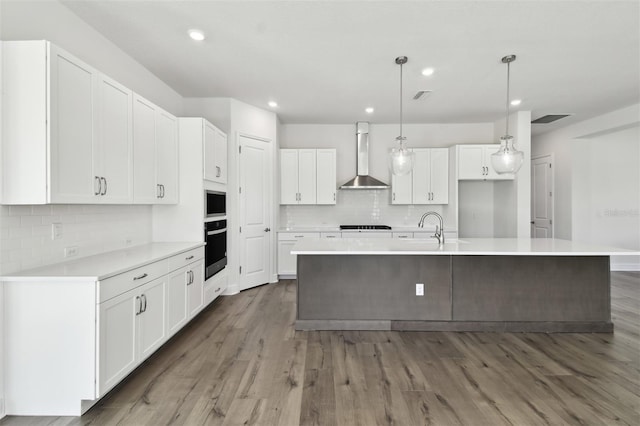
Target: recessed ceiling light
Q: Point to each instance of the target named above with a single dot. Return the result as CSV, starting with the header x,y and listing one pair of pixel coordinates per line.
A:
x,y
369,110
427,72
196,35
516,102
273,104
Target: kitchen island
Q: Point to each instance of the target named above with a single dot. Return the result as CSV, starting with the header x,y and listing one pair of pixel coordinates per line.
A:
x,y
483,284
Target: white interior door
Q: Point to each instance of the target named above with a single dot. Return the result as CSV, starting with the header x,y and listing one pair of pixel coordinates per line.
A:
x,y
255,207
542,197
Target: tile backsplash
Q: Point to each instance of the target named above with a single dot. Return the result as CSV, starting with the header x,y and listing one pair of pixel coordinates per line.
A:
x,y
26,235
361,207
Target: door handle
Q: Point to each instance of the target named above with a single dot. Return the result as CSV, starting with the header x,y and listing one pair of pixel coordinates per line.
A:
x,y
267,229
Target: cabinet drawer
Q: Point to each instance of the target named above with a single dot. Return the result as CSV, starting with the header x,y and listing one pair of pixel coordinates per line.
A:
x,y
183,259
403,235
295,236
112,287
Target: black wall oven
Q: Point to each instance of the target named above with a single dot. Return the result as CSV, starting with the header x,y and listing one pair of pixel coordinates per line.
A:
x,y
215,235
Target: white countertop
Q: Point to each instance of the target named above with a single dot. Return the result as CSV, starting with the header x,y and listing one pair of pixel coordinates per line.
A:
x,y
105,265
465,246
336,228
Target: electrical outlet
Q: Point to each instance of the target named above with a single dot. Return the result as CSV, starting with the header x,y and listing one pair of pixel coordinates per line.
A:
x,y
71,251
419,289
56,231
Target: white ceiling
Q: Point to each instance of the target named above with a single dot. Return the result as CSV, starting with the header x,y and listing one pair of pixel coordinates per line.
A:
x,y
325,61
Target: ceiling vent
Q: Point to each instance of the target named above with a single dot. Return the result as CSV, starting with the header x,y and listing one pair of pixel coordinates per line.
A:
x,y
549,118
421,95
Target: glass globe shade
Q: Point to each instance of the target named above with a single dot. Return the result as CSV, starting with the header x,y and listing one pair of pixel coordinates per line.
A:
x,y
401,160
508,159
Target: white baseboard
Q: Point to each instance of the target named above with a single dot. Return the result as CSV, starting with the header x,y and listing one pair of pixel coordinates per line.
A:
x,y
625,267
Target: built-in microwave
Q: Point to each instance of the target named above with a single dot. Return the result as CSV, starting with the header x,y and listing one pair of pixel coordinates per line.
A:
x,y
215,203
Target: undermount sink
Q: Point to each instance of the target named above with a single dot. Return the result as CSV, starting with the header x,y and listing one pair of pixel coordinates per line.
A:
x,y
435,241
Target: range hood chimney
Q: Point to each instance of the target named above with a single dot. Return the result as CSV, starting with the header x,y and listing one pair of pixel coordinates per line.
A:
x,y
362,179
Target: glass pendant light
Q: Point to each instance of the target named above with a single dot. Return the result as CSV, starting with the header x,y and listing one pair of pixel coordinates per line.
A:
x,y
401,159
508,159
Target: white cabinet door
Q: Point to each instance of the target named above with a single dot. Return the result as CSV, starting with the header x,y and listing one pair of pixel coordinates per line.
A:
x,y
195,295
421,177
72,108
215,154
326,176
166,157
176,300
307,176
286,260
288,176
474,163
401,189
220,153
117,351
112,156
145,190
471,162
439,176
151,319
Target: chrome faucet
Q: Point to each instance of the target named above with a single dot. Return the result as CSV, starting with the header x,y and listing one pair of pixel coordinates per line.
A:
x,y
439,229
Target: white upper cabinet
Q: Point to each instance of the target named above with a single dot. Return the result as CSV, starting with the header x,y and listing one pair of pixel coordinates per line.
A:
x,y
307,176
474,163
155,154
428,182
113,164
326,176
166,157
215,154
49,135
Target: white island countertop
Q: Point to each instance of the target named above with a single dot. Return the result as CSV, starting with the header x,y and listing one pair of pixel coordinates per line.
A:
x,y
465,246
102,266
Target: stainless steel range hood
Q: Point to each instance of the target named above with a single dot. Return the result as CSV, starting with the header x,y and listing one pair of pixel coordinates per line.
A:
x,y
363,180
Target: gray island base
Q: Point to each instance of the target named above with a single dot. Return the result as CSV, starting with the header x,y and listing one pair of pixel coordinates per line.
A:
x,y
495,293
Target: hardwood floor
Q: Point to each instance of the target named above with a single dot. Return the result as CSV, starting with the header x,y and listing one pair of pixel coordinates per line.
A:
x,y
241,363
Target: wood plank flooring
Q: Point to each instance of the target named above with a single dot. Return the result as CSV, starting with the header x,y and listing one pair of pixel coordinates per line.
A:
x,y
241,363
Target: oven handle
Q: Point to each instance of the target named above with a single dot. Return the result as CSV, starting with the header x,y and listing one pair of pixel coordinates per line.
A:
x,y
219,231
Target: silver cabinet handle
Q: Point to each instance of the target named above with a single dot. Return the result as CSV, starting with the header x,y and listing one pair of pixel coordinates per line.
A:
x,y
105,185
330,236
189,277
298,236
218,171
157,190
161,191
97,179
144,297
394,196
334,196
139,277
267,229
189,258
217,290
138,305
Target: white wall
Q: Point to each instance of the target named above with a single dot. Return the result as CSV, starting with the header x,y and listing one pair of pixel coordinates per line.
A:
x,y
234,118
597,181
372,206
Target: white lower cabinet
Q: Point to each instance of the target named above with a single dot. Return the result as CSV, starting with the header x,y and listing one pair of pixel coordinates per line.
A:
x,y
132,327
214,286
103,331
286,241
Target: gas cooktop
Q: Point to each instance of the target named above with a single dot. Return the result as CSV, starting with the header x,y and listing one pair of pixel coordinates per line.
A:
x,y
364,227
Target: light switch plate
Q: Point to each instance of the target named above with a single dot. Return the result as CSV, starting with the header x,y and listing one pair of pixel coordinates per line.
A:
x,y
56,231
419,289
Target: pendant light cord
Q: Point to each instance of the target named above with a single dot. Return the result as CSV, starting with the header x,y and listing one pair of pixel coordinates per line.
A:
x,y
400,102
507,103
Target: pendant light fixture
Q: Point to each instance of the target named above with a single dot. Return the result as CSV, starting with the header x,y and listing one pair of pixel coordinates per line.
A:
x,y
508,159
401,159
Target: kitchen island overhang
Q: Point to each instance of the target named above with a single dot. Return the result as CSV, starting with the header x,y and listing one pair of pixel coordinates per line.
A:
x,y
488,284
